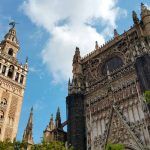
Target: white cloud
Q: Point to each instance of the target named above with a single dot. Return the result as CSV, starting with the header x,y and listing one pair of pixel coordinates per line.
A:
x,y
38,105
36,36
33,70
70,24
148,6
36,71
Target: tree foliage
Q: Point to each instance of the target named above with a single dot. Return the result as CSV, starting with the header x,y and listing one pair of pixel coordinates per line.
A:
x,y
115,147
6,145
147,96
16,145
50,146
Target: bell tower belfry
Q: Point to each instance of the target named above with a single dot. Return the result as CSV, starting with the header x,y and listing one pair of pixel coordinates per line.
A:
x,y
12,85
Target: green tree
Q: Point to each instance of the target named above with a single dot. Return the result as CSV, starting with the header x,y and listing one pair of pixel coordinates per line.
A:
x,y
6,145
147,96
50,146
16,145
115,147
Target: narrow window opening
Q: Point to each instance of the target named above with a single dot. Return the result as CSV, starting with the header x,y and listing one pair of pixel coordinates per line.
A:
x,y
21,79
11,71
10,52
17,76
4,70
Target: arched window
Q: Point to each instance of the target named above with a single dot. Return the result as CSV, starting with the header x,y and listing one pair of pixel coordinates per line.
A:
x,y
112,64
11,71
10,52
1,114
4,70
17,76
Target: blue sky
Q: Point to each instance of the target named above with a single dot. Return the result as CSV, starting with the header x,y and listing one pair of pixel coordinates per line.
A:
x,y
48,32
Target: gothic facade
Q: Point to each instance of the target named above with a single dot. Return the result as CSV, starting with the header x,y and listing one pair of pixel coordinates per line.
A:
x,y
54,131
12,85
105,102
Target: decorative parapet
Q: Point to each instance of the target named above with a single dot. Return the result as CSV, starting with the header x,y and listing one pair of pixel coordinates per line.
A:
x,y
107,45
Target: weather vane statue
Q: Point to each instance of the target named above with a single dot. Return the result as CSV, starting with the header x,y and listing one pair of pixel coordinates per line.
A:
x,y
13,23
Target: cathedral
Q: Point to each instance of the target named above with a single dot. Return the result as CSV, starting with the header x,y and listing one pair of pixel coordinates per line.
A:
x,y
105,102
12,85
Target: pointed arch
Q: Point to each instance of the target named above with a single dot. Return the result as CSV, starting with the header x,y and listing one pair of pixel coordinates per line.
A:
x,y
112,63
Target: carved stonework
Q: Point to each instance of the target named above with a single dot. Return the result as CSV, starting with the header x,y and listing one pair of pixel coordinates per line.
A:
x,y
8,133
116,73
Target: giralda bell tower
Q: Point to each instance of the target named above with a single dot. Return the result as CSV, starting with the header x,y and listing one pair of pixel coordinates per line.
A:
x,y
12,85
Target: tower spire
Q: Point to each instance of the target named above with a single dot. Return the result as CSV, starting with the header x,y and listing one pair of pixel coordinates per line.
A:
x,y
145,15
10,44
11,35
77,70
135,18
51,123
58,119
27,136
116,33
142,7
144,10
96,45
69,82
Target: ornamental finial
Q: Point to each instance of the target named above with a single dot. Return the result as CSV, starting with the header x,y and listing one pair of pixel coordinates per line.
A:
x,y
13,23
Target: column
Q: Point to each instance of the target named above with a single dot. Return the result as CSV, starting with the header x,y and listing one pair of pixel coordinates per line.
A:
x,y
99,127
6,72
132,108
14,75
1,68
19,78
136,113
24,80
